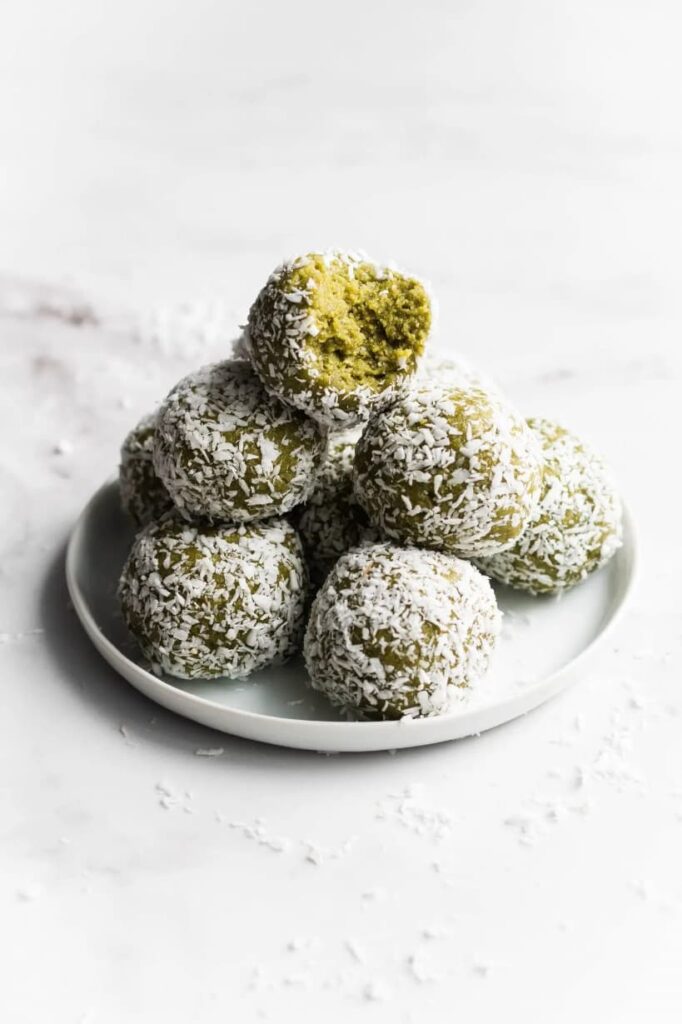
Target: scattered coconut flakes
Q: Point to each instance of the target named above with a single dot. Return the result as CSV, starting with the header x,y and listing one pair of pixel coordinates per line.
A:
x,y
376,991
318,855
296,980
29,893
258,834
25,634
170,798
420,969
123,729
355,951
314,854
374,895
644,888
526,827
417,818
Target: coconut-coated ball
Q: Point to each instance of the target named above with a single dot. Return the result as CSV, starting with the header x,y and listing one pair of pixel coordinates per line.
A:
x,y
449,468
227,451
334,334
577,525
143,495
331,521
398,632
211,601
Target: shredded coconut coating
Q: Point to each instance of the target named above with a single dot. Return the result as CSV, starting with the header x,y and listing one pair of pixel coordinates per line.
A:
x,y
438,369
280,333
331,522
576,527
400,632
228,451
449,468
215,601
143,495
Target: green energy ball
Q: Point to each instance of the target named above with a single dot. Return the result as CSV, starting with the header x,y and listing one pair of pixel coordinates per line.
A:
x,y
400,632
449,468
576,527
335,334
212,601
226,450
143,496
331,521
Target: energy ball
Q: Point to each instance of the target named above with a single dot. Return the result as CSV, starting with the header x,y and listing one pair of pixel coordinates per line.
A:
x,y
211,601
331,522
143,496
400,632
576,527
334,334
450,468
226,450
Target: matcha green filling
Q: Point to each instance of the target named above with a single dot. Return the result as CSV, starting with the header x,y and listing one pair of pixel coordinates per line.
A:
x,y
369,329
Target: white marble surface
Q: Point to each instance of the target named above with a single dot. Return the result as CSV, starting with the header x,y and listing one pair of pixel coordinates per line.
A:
x,y
527,158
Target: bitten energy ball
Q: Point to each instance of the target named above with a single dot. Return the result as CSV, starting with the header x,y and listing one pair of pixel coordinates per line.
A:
x,y
334,334
332,521
143,496
216,600
398,632
576,527
228,451
449,468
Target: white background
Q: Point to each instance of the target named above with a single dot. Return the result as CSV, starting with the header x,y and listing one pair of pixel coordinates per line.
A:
x,y
157,159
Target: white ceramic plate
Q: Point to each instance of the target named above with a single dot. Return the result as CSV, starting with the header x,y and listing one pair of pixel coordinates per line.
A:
x,y
543,640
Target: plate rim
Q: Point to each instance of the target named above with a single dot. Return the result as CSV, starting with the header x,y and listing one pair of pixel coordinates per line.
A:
x,y
329,735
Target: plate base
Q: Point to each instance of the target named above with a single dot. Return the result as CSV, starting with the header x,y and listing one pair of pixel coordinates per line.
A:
x,y
542,640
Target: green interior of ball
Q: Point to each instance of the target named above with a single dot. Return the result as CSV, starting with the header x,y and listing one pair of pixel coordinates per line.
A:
x,y
370,328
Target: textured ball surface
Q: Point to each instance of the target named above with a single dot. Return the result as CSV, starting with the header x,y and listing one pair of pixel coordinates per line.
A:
x,y
228,451
398,632
334,334
143,495
576,527
449,468
438,369
217,600
332,521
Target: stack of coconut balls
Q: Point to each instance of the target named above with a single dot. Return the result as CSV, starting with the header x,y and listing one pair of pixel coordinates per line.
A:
x,y
326,462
